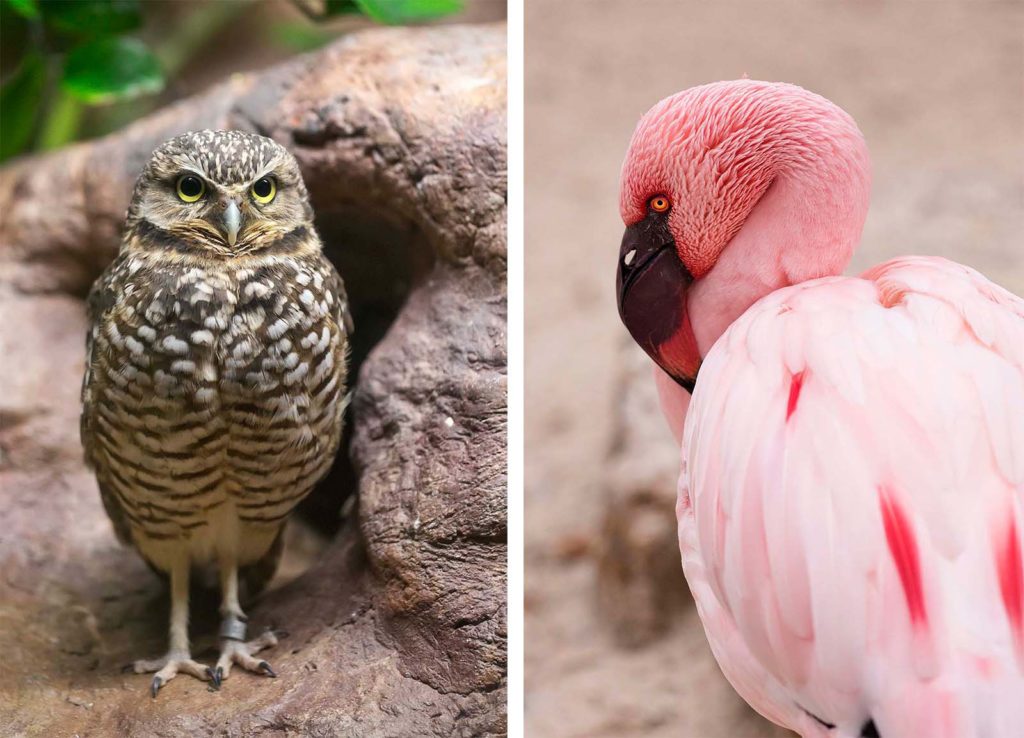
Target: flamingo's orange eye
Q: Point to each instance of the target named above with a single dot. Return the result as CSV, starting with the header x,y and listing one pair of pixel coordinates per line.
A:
x,y
659,203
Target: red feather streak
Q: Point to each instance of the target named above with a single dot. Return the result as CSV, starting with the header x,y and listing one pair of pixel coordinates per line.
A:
x,y
794,394
1011,578
903,546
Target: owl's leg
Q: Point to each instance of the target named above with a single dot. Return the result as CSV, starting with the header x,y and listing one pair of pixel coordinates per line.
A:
x,y
233,647
178,659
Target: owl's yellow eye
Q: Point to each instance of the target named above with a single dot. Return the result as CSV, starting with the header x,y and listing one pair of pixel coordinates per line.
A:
x,y
264,189
190,187
659,203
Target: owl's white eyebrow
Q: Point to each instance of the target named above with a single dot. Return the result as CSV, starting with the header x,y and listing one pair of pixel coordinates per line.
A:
x,y
269,169
185,161
185,166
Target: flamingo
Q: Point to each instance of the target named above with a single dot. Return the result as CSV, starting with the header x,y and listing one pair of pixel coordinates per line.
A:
x,y
851,496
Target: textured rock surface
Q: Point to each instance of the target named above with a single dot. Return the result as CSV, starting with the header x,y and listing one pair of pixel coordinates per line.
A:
x,y
399,626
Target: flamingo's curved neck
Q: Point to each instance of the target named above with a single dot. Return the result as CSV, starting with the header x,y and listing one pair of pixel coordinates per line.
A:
x,y
805,226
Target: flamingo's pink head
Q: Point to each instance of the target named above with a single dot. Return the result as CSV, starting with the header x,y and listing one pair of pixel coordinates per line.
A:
x,y
697,165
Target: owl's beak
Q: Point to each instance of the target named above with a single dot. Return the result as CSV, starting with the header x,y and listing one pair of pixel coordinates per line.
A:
x,y
232,221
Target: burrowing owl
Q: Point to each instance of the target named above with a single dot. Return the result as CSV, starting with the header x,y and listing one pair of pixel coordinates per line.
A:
x,y
215,374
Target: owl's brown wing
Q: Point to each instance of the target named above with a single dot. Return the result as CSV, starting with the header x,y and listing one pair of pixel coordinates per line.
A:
x,y
343,313
99,305
257,576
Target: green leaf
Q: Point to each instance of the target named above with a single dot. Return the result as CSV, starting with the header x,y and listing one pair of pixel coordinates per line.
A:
x,y
408,11
20,98
91,17
112,68
25,8
340,7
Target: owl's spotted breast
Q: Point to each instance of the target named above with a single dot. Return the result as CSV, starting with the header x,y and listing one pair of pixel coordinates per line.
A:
x,y
206,386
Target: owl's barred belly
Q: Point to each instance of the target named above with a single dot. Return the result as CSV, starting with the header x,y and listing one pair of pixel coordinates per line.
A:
x,y
218,400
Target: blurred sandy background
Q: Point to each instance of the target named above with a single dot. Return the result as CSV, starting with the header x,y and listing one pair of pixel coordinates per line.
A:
x,y
614,647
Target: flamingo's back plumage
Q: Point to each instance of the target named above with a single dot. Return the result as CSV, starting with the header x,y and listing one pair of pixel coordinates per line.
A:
x,y
852,503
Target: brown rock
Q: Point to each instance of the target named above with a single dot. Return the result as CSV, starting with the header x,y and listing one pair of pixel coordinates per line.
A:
x,y
399,628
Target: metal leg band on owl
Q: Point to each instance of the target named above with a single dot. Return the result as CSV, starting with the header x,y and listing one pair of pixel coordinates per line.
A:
x,y
232,629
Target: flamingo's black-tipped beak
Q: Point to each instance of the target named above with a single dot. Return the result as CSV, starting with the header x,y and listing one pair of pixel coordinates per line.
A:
x,y
652,284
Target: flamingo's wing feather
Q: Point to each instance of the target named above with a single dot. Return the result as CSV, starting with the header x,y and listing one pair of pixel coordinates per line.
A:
x,y
852,503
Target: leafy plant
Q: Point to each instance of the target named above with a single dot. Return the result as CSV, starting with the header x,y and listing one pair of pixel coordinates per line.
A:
x,y
80,55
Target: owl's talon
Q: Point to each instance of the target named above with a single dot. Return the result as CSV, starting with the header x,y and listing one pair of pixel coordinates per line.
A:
x,y
214,677
236,652
169,667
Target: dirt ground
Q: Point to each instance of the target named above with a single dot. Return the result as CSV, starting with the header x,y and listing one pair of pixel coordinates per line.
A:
x,y
937,88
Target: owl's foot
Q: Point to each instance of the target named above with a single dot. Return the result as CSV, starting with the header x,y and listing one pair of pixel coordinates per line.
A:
x,y
170,666
242,653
